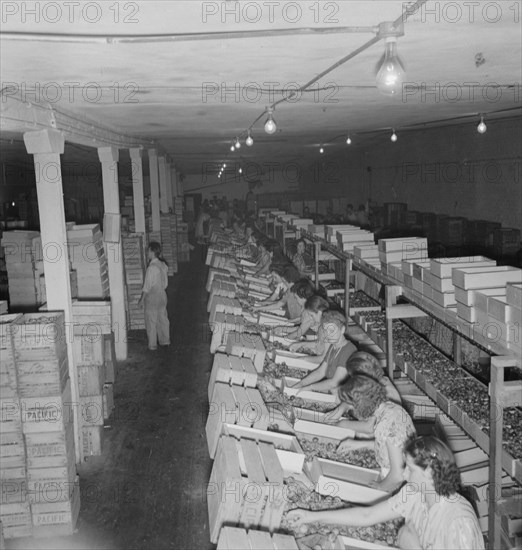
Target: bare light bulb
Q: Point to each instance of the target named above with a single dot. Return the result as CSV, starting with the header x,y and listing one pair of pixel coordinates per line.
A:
x,y
270,125
348,140
481,128
232,148
249,141
391,74
321,150
238,144
394,137
224,165
240,170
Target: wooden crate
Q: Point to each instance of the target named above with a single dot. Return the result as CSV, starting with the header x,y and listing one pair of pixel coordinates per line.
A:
x,y
91,379
234,405
49,449
485,277
57,519
40,336
88,351
246,487
247,345
42,378
229,369
16,520
348,482
46,414
92,440
92,413
236,538
110,358
222,325
514,294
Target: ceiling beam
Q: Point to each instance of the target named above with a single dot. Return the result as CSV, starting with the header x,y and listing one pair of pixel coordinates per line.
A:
x,y
22,116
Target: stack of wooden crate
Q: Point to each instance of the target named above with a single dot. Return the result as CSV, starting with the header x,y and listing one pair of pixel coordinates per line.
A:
x,y
89,360
15,512
443,289
24,263
87,257
44,389
474,286
393,251
133,256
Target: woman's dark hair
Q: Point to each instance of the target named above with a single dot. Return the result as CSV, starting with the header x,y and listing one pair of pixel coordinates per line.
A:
x,y
362,362
290,274
365,393
155,247
303,288
430,452
316,303
300,241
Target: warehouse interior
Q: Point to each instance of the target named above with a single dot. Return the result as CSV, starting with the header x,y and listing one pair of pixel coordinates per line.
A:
x,y
130,123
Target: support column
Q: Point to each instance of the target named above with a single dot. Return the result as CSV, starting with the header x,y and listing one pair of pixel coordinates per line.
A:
x,y
179,183
348,271
137,189
168,173
317,252
154,189
164,205
111,201
46,146
174,181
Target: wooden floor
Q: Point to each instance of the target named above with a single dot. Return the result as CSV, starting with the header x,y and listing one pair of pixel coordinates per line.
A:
x,y
148,490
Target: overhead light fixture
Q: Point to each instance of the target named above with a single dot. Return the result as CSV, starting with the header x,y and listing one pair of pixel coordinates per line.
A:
x,y
391,74
249,141
237,144
481,128
348,140
240,170
224,165
321,150
270,125
232,148
393,136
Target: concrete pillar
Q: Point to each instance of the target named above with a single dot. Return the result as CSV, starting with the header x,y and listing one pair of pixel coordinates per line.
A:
x,y
174,181
46,146
111,202
137,189
168,172
164,205
154,189
180,185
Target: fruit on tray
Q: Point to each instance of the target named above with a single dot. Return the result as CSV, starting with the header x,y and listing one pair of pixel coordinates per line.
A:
x,y
313,448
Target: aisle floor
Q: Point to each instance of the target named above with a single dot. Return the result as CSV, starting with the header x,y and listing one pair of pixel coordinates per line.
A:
x,y
148,489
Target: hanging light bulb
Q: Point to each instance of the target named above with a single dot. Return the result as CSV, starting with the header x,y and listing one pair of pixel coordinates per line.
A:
x,y
391,74
224,165
232,148
321,150
348,140
394,136
270,125
481,128
238,144
249,141
240,170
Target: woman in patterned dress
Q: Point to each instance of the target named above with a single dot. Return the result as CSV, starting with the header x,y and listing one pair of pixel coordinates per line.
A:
x,y
387,421
436,516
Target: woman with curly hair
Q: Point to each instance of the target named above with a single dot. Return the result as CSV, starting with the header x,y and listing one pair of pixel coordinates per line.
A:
x,y
362,362
436,516
302,261
388,422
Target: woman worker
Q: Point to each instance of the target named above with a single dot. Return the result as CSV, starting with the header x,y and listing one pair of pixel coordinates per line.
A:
x,y
436,516
331,373
310,319
301,260
155,298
